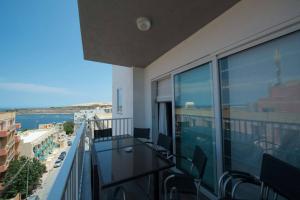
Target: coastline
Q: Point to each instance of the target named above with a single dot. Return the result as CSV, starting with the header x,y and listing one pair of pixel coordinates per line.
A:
x,y
53,110
45,113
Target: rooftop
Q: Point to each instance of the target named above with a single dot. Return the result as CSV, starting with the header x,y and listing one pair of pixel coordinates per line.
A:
x,y
34,136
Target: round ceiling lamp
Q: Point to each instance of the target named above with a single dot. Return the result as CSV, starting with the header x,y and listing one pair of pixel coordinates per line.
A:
x,y
143,23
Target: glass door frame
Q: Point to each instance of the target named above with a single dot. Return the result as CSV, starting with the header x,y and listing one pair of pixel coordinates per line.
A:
x,y
259,38
212,60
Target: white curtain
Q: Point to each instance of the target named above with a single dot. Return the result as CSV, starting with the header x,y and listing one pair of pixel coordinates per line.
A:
x,y
162,119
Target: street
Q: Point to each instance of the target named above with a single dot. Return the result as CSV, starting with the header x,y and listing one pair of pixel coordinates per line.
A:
x,y
50,176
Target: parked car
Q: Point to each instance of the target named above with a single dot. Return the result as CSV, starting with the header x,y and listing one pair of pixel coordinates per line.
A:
x,y
61,157
57,163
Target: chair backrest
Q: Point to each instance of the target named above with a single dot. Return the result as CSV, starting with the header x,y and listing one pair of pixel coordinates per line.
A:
x,y
141,133
282,177
164,141
199,161
102,133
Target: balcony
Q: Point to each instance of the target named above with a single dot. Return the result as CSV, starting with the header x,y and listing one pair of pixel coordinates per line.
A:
x,y
74,180
11,143
3,151
17,139
76,175
3,167
6,132
11,156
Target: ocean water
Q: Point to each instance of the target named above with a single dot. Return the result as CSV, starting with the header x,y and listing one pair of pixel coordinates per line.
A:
x,y
31,121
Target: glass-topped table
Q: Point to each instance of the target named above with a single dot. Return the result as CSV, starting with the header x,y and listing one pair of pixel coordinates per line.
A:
x,y
115,143
123,159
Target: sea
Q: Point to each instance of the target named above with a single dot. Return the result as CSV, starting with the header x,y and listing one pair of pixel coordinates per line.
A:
x,y
31,121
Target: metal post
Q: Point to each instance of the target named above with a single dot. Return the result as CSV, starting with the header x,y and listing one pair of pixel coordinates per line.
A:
x,y
27,178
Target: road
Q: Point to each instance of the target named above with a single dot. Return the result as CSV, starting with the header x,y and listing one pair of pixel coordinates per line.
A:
x,y
49,177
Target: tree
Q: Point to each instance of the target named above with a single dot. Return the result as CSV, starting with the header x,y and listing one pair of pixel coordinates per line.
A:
x,y
35,170
69,127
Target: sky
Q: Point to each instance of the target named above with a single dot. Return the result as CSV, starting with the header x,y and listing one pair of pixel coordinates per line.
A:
x,y
41,57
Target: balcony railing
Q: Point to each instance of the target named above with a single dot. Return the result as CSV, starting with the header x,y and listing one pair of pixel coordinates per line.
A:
x,y
10,143
7,130
10,156
3,167
68,182
4,133
119,126
4,148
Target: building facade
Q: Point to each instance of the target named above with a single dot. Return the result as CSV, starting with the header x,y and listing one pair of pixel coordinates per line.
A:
x,y
39,143
9,141
231,87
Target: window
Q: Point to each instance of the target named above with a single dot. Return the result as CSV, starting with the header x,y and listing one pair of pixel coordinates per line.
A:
x,y
195,119
119,100
260,99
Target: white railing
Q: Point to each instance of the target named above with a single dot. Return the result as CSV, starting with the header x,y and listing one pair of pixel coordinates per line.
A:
x,y
68,182
10,156
11,143
118,126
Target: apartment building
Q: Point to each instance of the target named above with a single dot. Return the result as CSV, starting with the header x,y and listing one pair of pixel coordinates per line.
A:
x,y
9,141
39,143
223,75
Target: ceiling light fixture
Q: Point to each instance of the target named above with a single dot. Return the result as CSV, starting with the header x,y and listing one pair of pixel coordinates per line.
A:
x,y
143,23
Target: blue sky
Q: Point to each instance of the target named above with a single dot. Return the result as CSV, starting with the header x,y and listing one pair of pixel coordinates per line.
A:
x,y
41,57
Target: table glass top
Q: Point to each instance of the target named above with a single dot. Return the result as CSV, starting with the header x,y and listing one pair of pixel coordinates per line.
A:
x,y
123,164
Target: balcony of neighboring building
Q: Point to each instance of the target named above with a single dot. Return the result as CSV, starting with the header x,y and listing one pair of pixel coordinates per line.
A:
x,y
17,143
17,139
4,133
3,163
3,167
3,151
6,145
7,131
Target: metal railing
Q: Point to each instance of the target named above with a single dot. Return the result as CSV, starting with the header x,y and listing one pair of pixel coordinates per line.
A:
x,y
68,182
118,126
10,156
250,135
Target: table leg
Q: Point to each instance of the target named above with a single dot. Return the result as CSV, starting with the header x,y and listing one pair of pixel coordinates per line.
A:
x,y
156,185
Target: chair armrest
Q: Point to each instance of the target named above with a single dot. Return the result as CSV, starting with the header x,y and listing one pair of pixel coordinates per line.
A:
x,y
148,142
239,177
181,157
247,177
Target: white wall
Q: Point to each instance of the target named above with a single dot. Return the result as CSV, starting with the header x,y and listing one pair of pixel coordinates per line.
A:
x,y
131,80
122,78
246,19
138,98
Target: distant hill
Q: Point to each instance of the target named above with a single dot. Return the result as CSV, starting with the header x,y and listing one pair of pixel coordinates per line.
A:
x,y
92,104
60,110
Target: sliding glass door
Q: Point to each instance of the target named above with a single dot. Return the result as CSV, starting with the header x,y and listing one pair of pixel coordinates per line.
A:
x,y
260,90
195,119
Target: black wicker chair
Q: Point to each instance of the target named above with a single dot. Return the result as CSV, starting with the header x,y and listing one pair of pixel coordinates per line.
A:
x,y
175,182
102,134
277,176
141,133
163,144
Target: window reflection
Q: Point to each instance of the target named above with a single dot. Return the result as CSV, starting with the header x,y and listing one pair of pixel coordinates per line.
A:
x,y
195,119
260,90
